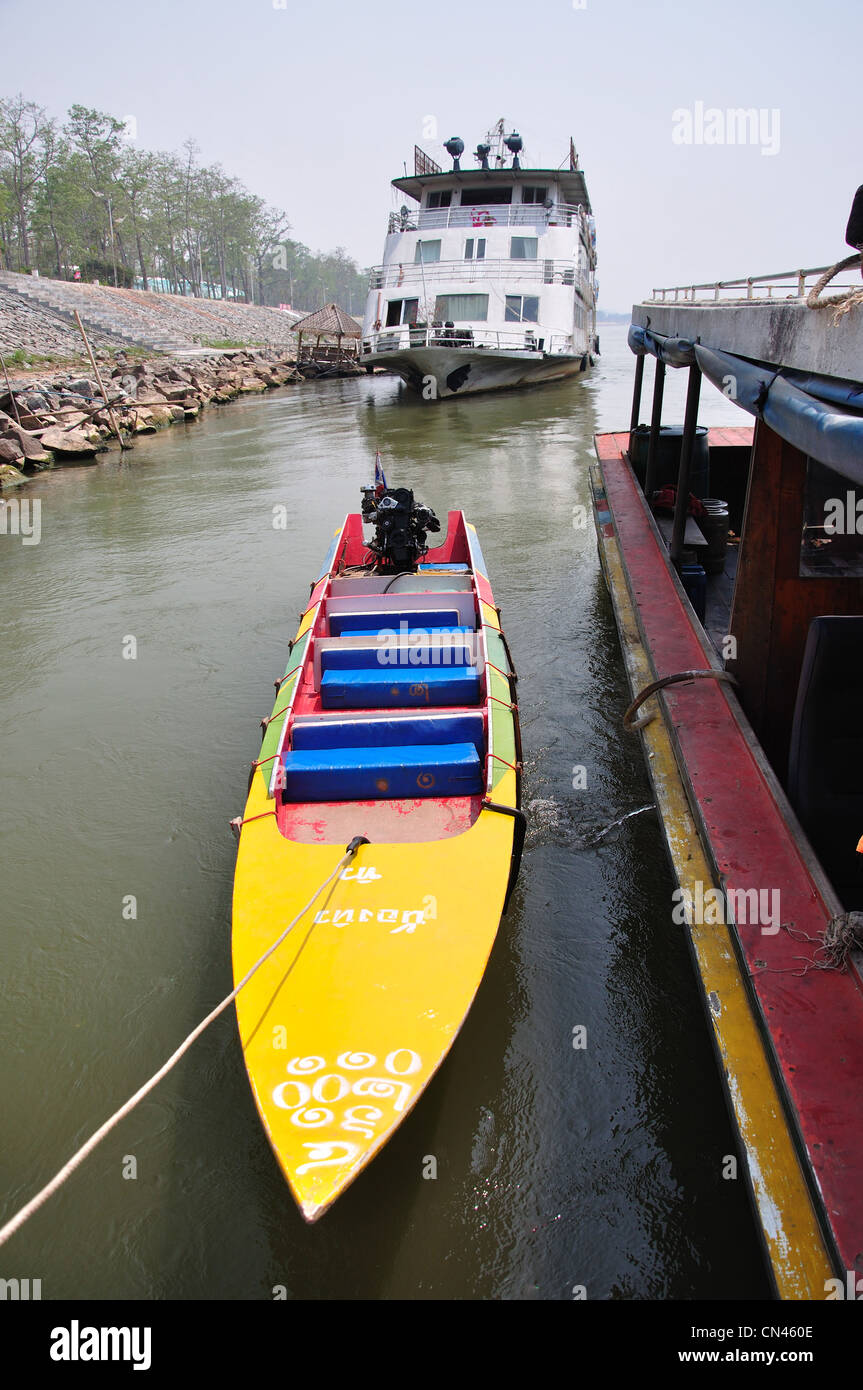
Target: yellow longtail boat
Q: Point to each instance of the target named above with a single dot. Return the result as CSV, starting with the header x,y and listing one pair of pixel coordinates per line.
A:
x,y
394,732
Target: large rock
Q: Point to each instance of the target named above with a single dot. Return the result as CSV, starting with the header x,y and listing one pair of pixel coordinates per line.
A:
x,y
72,442
32,448
173,393
142,422
10,476
35,422
10,451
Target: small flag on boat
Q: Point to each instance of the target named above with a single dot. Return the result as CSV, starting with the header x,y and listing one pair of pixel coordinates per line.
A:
x,y
380,480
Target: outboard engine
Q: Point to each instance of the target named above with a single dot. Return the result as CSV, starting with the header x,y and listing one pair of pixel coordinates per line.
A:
x,y
400,526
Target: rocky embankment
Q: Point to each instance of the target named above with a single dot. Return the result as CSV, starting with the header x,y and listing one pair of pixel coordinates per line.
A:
x,y
63,417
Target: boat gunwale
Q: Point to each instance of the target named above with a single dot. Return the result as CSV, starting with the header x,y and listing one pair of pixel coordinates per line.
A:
x,y
610,450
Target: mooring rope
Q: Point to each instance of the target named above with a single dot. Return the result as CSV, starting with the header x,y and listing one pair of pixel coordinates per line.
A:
x,y
842,935
681,677
841,303
77,1158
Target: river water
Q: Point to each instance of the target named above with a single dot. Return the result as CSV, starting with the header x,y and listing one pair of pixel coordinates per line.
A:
x,y
557,1167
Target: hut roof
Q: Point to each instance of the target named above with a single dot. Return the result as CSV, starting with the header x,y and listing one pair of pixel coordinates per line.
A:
x,y
332,321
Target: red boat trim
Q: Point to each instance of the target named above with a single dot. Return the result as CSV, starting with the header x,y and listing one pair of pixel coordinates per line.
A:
x,y
813,1022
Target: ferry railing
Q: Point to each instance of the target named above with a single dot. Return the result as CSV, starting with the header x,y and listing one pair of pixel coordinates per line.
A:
x,y
489,215
524,339
761,288
546,272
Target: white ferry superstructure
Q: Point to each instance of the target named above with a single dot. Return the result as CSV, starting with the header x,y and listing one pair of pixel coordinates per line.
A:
x,y
489,280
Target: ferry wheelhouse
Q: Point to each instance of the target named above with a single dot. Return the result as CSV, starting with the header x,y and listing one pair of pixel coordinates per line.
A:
x,y
734,560
489,274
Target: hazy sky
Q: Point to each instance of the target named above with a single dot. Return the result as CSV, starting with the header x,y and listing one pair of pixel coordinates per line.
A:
x,y
316,107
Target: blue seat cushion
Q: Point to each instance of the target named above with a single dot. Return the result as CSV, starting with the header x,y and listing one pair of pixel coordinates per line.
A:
x,y
387,654
447,569
399,687
376,631
391,619
387,733
366,774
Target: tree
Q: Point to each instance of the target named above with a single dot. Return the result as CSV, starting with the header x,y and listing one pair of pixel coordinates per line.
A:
x,y
65,192
23,128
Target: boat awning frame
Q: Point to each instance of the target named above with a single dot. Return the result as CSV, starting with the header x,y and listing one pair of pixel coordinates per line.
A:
x,y
821,416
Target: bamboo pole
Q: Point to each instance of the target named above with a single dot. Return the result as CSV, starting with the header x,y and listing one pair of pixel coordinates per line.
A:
x,y
9,389
111,416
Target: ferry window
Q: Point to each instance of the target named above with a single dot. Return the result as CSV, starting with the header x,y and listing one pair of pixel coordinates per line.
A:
x,y
482,197
474,248
522,308
459,308
440,199
427,251
523,248
533,195
832,542
401,311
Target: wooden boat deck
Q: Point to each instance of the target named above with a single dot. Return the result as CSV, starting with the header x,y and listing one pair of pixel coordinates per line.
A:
x,y
808,1023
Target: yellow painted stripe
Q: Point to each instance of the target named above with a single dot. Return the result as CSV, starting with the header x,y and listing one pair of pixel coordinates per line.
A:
x,y
489,615
795,1245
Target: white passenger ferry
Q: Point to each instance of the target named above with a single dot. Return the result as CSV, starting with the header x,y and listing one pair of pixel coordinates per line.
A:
x,y
489,274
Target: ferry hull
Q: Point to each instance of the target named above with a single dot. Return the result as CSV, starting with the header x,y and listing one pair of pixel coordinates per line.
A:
x,y
438,372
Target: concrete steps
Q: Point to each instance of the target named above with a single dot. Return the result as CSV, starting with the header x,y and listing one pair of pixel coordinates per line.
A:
x,y
63,299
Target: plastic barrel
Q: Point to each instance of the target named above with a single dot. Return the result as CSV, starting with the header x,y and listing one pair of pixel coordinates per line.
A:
x,y
668,448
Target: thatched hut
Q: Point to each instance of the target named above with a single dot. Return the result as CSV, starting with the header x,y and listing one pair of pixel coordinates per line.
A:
x,y
328,323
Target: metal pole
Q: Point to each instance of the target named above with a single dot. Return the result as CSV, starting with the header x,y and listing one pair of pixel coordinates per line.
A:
x,y
111,416
681,504
9,389
655,422
636,396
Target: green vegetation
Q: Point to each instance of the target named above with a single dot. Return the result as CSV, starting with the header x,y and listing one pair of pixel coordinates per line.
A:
x,y
222,343
22,357
79,197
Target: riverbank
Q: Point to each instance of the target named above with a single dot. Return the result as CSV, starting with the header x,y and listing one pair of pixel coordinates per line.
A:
x,y
51,417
